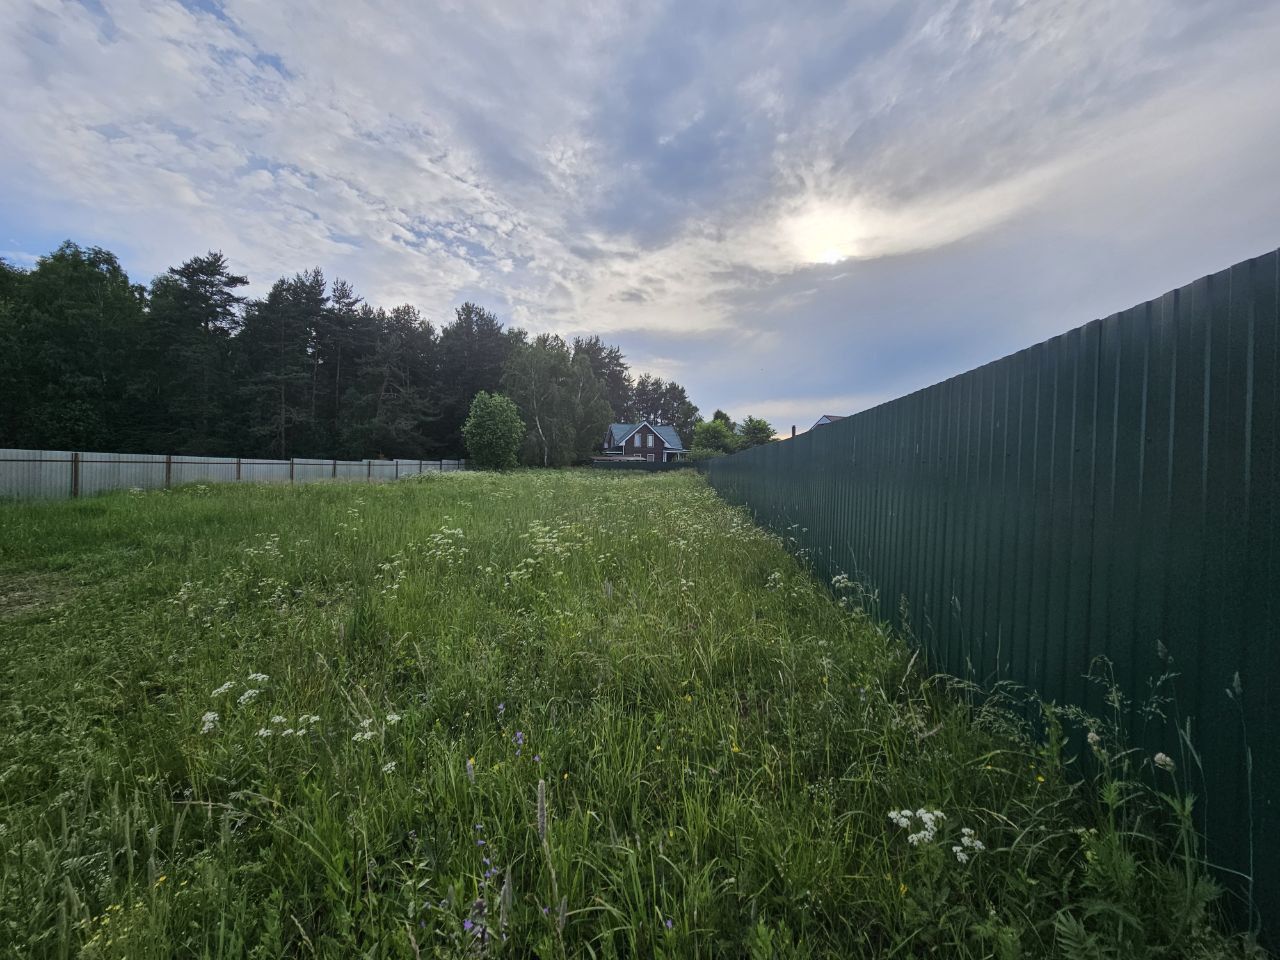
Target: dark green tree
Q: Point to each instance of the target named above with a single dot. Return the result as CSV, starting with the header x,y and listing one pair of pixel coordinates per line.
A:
x,y
73,323
194,313
664,401
473,353
753,432
714,434
562,404
609,367
493,432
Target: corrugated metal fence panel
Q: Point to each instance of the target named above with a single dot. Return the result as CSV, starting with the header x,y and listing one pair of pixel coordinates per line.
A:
x,y
35,473
185,469
100,472
264,471
310,470
1110,489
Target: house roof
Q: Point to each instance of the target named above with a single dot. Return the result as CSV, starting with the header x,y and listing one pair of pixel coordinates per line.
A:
x,y
828,418
621,431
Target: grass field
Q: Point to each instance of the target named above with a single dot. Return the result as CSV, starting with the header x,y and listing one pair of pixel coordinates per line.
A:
x,y
540,714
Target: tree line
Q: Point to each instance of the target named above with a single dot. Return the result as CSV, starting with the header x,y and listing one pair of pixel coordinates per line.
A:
x,y
90,360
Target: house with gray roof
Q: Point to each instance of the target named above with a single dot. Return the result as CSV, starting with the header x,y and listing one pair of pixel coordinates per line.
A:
x,y
655,442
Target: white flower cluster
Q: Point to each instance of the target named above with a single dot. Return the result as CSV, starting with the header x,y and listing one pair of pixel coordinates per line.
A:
x,y
774,581
969,845
929,820
305,721
259,677
209,720
248,696
223,689
841,581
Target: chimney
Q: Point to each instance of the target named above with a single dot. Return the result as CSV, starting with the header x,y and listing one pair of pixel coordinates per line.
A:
x,y
793,431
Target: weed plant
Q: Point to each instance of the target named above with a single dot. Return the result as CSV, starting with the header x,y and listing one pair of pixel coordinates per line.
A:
x,y
527,715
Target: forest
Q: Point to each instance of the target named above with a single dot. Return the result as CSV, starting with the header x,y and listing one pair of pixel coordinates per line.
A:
x,y
90,360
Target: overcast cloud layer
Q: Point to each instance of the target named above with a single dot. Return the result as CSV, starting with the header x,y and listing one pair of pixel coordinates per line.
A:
x,y
791,209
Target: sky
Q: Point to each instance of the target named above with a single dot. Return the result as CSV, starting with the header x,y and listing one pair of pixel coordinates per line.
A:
x,y
792,209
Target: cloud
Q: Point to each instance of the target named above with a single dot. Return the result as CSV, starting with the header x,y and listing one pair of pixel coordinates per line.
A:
x,y
800,203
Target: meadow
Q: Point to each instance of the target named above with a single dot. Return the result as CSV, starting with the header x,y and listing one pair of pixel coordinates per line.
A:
x,y
542,714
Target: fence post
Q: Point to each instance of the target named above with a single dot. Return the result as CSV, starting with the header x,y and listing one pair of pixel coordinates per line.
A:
x,y
334,475
291,469
75,474
237,468
168,470
368,472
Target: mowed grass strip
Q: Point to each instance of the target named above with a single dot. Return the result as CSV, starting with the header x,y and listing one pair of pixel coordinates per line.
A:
x,y
539,714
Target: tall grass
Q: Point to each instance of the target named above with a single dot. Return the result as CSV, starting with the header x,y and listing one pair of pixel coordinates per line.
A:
x,y
555,714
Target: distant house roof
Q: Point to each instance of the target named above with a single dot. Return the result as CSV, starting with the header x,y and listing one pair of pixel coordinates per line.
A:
x,y
828,418
618,433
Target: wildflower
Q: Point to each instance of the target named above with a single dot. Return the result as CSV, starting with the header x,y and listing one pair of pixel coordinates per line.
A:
x,y
537,758
389,767
247,697
393,719
210,720
364,736
471,769
265,732
1164,762
277,719
223,689
308,718
669,924
1095,741
289,733
259,677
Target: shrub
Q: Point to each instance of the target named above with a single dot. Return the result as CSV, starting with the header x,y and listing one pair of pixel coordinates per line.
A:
x,y
493,432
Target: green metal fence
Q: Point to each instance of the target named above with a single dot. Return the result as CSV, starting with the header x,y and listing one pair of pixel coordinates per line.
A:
x,y
1111,490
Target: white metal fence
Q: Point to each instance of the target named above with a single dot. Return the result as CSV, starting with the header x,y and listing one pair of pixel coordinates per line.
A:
x,y
66,473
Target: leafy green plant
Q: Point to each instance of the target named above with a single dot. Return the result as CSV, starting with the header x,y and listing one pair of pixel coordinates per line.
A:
x,y
493,432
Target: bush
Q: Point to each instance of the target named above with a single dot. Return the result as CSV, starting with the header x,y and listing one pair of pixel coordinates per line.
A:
x,y
493,432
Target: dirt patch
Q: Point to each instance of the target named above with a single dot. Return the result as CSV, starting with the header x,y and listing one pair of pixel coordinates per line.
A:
x,y
28,594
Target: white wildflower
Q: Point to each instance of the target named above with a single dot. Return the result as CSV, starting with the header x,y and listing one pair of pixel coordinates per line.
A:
x,y
259,677
307,718
290,732
1164,762
1095,741
366,724
265,732
223,689
364,736
389,767
393,719
210,720
277,719
247,697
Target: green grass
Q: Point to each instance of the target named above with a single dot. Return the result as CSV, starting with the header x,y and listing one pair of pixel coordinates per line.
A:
x,y
718,741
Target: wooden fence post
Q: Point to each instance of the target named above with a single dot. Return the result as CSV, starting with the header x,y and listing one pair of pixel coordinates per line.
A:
x,y
334,475
291,469
237,468
168,470
75,474
368,473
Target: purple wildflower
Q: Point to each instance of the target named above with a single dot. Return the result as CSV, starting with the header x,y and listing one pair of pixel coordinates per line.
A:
x,y
669,923
467,925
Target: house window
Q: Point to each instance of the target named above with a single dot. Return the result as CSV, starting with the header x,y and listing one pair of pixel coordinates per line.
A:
x,y
648,440
650,458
